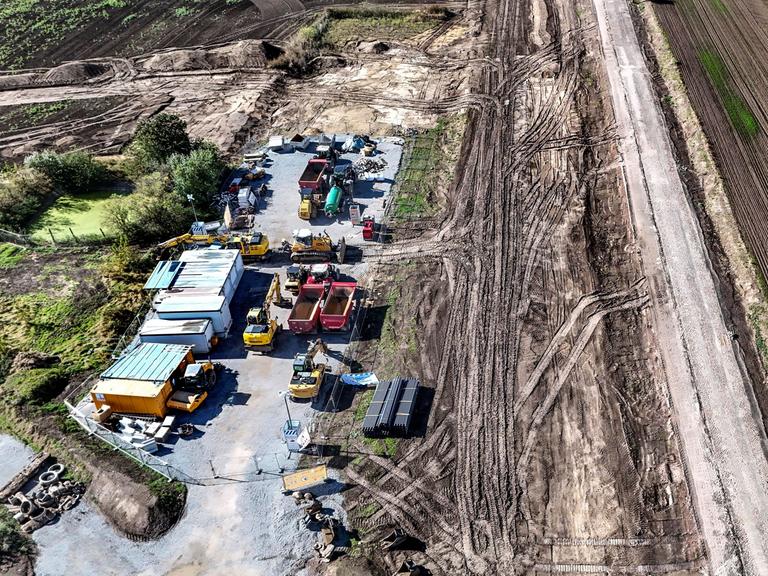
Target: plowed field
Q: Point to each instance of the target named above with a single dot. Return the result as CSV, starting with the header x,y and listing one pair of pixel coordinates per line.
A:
x,y
722,48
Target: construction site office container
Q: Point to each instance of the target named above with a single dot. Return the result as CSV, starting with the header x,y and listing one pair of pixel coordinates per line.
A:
x,y
214,308
197,333
133,397
141,380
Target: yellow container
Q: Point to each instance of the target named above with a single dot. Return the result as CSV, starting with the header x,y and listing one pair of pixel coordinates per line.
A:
x,y
132,396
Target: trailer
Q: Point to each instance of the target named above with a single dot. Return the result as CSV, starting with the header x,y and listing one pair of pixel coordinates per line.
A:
x,y
306,310
214,308
338,306
195,332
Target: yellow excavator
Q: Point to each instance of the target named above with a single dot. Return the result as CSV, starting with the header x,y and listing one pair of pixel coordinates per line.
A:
x,y
252,246
308,376
261,328
314,248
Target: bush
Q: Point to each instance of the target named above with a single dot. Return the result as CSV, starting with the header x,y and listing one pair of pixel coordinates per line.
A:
x,y
12,541
197,175
72,172
38,385
152,213
23,191
156,140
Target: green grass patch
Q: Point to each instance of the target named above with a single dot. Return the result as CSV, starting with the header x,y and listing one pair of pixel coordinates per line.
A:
x,y
10,255
83,213
363,404
739,114
720,6
385,447
429,166
368,510
354,24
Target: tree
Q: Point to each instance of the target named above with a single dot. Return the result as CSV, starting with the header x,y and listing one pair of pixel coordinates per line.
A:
x,y
153,212
73,172
156,139
197,175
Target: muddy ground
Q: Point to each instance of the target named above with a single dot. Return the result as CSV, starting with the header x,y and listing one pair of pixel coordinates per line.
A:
x,y
550,441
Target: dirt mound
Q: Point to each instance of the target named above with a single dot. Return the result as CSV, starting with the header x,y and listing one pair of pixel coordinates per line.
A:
x,y
131,506
75,73
373,47
28,360
245,54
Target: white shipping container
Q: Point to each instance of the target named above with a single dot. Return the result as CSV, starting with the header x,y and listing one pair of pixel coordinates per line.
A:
x,y
215,308
197,333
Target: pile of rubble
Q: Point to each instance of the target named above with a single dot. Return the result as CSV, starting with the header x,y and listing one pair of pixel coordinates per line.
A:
x,y
51,497
366,165
328,523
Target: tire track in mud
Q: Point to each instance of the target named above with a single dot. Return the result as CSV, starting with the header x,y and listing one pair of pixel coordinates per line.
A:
x,y
527,299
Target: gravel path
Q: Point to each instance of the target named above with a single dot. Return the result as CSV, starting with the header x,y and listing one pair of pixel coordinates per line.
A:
x,y
721,433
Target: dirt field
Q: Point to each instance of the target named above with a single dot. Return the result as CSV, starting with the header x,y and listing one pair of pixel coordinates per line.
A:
x,y
550,444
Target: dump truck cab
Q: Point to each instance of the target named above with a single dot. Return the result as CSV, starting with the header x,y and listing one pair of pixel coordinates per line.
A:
x,y
296,277
323,273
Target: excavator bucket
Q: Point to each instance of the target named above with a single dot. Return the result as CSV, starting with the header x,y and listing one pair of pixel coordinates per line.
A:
x,y
396,538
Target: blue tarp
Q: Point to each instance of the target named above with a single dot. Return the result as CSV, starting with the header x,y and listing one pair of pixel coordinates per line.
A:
x,y
362,379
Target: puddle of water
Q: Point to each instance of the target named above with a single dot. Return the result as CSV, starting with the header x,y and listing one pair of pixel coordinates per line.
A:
x,y
14,455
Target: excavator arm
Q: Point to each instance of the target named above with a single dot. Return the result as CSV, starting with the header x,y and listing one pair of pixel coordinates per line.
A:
x,y
175,241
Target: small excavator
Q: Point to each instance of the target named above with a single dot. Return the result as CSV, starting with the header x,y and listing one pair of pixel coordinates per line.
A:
x,y
261,328
308,376
308,248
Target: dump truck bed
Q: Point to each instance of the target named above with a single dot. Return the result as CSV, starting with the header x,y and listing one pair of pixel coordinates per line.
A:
x,y
313,174
338,305
306,309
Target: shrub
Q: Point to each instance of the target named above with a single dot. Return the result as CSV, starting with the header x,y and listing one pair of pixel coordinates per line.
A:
x,y
72,172
153,212
23,191
12,541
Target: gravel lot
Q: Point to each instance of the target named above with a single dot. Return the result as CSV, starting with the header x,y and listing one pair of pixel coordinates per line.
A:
x,y
237,522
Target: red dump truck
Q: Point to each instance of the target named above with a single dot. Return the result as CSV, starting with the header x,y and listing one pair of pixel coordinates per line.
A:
x,y
338,306
312,177
306,309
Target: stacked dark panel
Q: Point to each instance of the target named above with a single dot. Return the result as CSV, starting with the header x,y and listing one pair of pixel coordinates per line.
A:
x,y
402,422
371,420
391,410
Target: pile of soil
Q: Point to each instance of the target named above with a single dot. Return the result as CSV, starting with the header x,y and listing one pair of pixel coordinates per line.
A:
x,y
27,360
244,54
131,506
75,73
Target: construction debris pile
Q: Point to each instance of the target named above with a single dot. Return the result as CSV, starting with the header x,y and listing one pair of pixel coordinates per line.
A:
x,y
365,166
50,498
327,546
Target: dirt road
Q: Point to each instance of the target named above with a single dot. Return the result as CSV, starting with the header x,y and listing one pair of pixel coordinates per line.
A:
x,y
721,430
